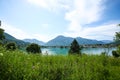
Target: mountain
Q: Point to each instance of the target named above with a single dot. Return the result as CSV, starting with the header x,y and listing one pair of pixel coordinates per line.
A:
x,y
60,41
83,41
34,41
116,43
106,41
10,38
66,41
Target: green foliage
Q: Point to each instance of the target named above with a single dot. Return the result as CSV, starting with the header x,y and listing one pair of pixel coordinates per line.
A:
x,y
117,35
118,49
33,48
2,34
115,54
17,65
11,46
117,39
74,48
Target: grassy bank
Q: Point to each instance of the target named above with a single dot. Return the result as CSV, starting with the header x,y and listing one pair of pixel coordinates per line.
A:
x,y
16,65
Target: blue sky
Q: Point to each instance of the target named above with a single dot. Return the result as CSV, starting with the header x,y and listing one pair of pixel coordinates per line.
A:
x,y
46,19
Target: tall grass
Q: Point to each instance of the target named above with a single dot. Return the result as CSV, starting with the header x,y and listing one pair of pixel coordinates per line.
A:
x,y
17,65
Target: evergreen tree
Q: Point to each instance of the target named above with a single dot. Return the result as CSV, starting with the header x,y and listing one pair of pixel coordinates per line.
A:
x,y
74,48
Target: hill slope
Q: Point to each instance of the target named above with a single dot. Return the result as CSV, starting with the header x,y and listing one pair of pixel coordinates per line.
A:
x,y
9,38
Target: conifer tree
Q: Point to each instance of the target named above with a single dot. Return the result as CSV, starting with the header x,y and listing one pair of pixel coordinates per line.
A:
x,y
74,48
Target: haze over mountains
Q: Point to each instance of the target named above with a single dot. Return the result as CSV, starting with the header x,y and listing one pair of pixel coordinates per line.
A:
x,y
58,41
34,41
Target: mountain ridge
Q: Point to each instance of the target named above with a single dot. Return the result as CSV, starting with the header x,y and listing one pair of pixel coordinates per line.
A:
x,y
57,41
34,41
66,41
10,38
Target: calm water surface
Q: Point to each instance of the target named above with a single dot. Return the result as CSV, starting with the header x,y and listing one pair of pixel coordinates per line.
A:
x,y
64,51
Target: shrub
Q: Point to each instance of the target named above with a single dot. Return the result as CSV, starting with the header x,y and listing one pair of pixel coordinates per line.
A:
x,y
118,50
11,46
33,48
115,54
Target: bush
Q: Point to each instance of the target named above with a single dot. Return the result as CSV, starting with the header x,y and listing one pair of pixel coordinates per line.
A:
x,y
33,48
118,50
16,65
115,54
11,46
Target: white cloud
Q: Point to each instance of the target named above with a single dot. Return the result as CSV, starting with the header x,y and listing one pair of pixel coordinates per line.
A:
x,y
17,33
43,37
78,13
21,34
51,5
84,12
99,32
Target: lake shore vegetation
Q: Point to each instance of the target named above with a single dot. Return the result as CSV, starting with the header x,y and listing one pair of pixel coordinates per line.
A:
x,y
19,65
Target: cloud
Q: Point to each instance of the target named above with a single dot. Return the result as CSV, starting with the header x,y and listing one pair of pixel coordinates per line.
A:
x,y
77,12
42,37
21,34
17,33
51,5
84,12
102,32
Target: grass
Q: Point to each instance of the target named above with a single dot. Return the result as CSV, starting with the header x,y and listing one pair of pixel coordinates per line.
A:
x,y
17,65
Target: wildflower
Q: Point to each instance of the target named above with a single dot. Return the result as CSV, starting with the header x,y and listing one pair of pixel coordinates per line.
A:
x,y
1,54
33,67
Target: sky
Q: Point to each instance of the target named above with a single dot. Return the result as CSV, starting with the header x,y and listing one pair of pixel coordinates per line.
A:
x,y
46,19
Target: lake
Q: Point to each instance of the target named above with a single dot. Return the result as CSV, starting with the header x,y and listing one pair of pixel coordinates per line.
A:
x,y
64,51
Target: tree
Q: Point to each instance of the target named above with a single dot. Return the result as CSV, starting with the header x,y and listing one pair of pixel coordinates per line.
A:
x,y
11,46
117,38
74,48
2,34
117,35
33,48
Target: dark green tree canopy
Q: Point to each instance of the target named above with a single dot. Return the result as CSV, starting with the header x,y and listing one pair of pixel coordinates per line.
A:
x,y
11,46
2,34
74,48
33,48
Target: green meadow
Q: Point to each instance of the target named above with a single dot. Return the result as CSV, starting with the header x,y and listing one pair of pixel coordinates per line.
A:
x,y
18,65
